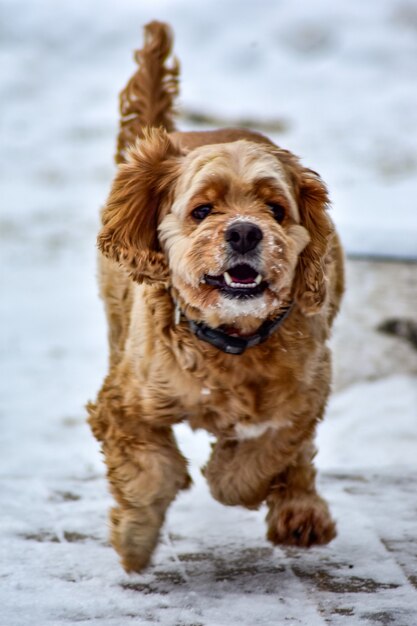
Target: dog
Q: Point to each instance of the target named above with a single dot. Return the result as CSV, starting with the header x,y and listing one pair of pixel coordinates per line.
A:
x,y
221,274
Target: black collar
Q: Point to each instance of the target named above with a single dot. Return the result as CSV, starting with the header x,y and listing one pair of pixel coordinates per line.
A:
x,y
232,344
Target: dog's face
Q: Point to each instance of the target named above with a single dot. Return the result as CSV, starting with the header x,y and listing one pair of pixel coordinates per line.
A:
x,y
233,235
238,229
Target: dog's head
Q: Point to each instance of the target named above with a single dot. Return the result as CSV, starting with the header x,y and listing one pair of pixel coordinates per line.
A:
x,y
238,229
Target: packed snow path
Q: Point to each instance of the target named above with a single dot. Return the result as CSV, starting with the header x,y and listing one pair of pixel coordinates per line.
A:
x,y
213,567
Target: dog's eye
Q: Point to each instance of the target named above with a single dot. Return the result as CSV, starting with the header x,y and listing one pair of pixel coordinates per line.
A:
x,y
201,212
278,211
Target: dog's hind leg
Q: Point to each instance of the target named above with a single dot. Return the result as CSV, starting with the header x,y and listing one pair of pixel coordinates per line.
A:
x,y
298,515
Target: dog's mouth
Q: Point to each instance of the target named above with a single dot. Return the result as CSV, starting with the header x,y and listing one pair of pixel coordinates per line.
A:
x,y
239,281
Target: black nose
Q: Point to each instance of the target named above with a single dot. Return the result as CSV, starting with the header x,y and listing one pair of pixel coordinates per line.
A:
x,y
243,236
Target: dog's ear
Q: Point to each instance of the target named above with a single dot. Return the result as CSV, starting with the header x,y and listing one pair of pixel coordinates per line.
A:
x,y
139,196
310,278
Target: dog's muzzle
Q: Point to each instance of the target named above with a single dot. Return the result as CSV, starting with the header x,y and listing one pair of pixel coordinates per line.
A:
x,y
243,237
239,281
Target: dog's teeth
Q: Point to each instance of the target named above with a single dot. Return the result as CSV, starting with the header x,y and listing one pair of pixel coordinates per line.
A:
x,y
231,283
228,279
243,285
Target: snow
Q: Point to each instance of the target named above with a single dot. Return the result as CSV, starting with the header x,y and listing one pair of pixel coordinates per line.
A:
x,y
371,424
341,79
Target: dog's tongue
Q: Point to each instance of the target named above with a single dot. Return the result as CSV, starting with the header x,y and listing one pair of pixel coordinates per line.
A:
x,y
242,274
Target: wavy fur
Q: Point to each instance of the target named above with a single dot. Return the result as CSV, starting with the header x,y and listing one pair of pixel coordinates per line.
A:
x,y
148,98
263,406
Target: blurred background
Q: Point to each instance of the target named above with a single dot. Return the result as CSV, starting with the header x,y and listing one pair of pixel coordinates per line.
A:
x,y
334,82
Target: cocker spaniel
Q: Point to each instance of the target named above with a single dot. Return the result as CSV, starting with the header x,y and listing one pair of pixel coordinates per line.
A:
x,y
221,274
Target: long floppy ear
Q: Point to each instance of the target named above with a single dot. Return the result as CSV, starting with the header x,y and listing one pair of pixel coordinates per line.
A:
x,y
138,198
310,278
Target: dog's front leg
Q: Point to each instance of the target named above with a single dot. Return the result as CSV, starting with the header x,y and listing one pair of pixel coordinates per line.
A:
x,y
145,470
241,472
248,472
145,475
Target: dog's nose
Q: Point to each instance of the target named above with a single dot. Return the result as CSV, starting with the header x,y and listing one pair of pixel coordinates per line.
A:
x,y
243,236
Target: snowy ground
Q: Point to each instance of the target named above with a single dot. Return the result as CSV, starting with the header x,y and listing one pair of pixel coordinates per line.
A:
x,y
63,65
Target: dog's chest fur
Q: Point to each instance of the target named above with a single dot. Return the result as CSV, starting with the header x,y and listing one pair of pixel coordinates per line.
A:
x,y
180,377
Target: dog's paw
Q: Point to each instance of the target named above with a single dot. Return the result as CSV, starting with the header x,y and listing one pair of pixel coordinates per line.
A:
x,y
229,483
303,523
233,493
230,489
134,537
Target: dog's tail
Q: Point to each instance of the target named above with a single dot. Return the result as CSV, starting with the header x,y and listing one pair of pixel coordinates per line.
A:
x,y
148,98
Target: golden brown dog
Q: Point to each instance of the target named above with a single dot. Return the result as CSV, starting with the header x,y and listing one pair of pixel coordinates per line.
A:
x,y
221,274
